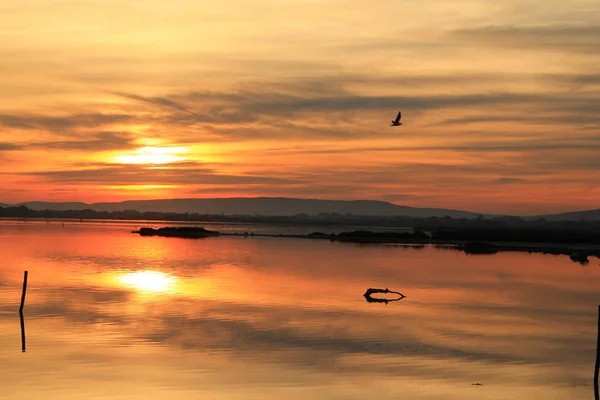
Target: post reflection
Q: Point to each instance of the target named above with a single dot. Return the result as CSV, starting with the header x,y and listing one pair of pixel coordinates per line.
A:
x,y
23,294
23,347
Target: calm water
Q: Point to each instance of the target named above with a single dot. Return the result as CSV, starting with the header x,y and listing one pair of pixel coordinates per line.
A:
x,y
111,315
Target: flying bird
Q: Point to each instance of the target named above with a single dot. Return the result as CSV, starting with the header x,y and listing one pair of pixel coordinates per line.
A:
x,y
397,122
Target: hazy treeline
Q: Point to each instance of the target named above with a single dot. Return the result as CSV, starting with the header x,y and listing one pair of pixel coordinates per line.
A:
x,y
524,234
550,234
304,219
474,240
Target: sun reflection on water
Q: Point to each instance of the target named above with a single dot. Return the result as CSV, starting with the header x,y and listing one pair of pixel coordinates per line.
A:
x,y
149,281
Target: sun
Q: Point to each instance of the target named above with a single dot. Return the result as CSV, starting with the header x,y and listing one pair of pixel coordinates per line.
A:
x,y
152,155
149,281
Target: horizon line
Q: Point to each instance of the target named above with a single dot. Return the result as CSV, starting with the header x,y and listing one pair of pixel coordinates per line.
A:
x,y
301,198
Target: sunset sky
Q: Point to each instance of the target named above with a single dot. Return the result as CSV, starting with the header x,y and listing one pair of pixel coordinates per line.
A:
x,y
105,100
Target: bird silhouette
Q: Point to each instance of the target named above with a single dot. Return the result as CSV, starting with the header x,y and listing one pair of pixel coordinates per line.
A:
x,y
397,122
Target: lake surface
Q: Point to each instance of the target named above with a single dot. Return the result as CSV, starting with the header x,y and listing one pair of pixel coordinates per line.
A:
x,y
112,315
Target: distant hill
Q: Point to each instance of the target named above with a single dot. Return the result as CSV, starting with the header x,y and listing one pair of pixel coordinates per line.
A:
x,y
281,206
589,215
267,206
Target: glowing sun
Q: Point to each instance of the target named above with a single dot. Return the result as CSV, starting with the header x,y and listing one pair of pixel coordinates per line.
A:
x,y
152,155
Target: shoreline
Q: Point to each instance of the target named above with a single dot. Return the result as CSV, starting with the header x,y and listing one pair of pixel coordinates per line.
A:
x,y
577,252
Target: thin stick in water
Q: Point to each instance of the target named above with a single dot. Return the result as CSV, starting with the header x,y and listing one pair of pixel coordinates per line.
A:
x,y
24,291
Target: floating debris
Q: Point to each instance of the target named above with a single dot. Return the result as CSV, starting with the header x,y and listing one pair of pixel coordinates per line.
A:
x,y
371,299
478,248
579,257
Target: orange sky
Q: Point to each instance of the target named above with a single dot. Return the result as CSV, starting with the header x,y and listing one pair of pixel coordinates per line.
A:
x,y
108,101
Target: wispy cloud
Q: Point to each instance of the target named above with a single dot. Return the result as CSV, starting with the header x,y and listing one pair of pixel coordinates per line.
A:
x,y
561,38
61,124
508,180
187,173
8,146
160,101
100,141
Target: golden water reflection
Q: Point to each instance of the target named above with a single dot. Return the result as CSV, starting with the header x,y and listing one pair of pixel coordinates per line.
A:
x,y
148,281
235,318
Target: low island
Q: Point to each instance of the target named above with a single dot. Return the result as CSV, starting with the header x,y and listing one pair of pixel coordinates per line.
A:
x,y
190,232
579,245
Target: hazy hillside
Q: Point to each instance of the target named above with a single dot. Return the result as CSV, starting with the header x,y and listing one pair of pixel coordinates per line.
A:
x,y
280,206
259,205
574,216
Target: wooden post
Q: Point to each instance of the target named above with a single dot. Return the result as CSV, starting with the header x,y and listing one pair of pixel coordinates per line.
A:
x,y
21,312
596,395
23,292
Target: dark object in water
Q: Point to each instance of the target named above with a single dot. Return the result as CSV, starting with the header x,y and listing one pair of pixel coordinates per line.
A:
x,y
320,235
181,232
580,258
371,291
478,248
363,236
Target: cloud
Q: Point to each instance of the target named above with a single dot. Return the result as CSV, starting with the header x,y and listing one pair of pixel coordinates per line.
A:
x,y
581,79
301,188
336,106
412,175
95,142
533,141
173,174
564,38
61,124
278,104
507,180
4,146
160,101
534,160
329,107
92,141
576,116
